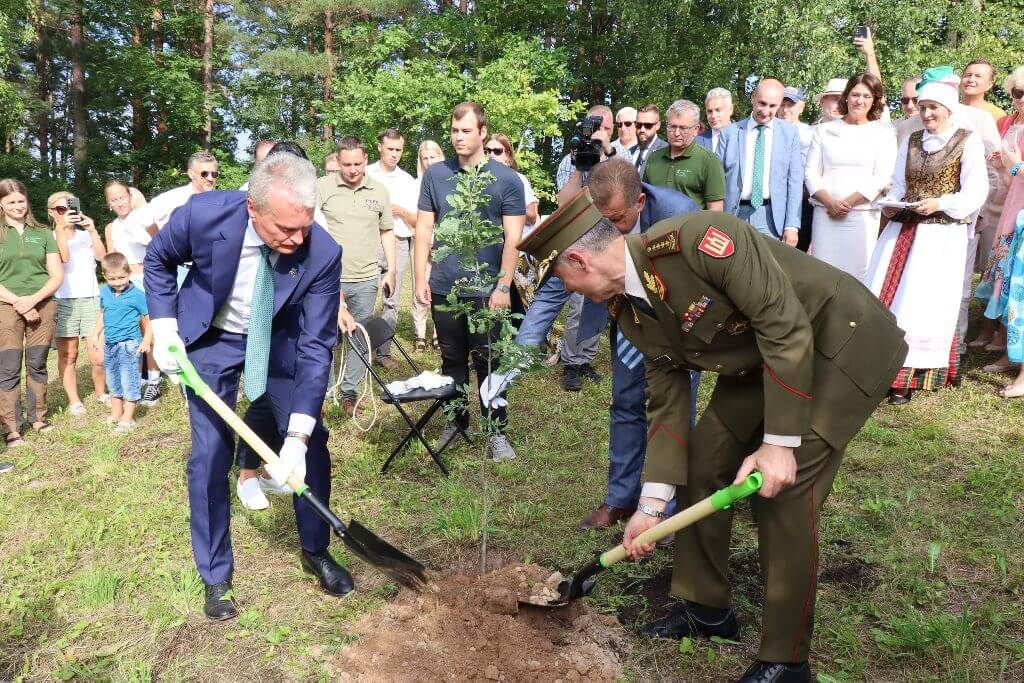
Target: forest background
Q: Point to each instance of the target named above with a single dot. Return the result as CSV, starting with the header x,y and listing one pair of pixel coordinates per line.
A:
x,y
100,89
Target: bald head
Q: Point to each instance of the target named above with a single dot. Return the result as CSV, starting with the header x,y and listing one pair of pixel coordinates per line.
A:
x,y
766,100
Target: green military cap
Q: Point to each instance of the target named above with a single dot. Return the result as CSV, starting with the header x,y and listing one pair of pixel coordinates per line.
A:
x,y
556,234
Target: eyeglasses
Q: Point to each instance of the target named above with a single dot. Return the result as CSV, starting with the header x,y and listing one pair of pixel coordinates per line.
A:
x,y
681,129
1017,93
333,170
59,210
647,126
625,124
209,174
494,151
908,100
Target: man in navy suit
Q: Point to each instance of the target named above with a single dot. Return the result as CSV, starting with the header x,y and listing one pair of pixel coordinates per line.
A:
x,y
632,206
718,112
764,171
263,295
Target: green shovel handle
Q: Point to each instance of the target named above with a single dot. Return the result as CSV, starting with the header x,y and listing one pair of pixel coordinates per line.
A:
x,y
187,373
724,498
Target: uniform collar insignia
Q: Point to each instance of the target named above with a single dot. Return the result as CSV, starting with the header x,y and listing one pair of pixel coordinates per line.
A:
x,y
545,264
654,284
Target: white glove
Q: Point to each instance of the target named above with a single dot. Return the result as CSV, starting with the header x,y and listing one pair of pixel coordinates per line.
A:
x,y
165,335
494,384
291,460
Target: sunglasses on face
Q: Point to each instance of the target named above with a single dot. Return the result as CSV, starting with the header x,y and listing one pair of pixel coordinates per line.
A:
x,y
908,100
494,151
625,124
59,210
645,125
209,174
1017,93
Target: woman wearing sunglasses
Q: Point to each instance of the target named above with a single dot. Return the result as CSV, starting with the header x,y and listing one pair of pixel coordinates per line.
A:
x,y
30,272
80,248
499,148
1003,257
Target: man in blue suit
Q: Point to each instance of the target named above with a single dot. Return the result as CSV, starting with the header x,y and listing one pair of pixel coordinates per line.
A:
x,y
632,206
718,112
263,295
764,171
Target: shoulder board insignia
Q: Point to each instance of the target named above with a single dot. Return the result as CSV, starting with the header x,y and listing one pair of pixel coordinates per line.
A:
x,y
716,243
666,244
654,284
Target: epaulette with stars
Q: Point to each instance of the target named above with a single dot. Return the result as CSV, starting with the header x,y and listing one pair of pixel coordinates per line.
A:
x,y
661,246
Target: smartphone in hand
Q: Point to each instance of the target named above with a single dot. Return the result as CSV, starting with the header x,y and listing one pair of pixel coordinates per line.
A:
x,y
862,32
75,212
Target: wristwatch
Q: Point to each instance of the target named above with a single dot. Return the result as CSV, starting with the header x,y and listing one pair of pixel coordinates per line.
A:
x,y
650,512
504,289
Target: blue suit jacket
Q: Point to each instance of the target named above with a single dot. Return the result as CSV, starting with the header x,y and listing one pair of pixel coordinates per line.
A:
x,y
661,203
208,231
786,181
704,139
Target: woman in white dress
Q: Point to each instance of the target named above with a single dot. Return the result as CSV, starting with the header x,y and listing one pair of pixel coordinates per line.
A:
x,y
917,268
848,166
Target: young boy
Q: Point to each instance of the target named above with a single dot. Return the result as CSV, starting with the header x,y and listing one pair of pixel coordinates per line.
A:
x,y
125,324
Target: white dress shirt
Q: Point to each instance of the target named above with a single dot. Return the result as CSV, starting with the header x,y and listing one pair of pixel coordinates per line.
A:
x,y
635,288
158,211
233,316
748,159
402,190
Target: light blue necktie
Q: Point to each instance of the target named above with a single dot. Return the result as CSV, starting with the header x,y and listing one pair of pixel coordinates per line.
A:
x,y
261,314
757,182
629,355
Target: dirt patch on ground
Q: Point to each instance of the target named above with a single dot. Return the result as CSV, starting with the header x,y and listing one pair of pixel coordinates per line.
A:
x,y
471,628
854,575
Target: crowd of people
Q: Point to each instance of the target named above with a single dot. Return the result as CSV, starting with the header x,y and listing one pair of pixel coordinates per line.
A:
x,y
909,207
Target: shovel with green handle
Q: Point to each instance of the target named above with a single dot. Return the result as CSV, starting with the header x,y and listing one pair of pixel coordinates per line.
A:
x,y
360,540
582,582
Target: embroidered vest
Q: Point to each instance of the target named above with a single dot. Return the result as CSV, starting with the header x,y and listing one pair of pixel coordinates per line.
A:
x,y
932,174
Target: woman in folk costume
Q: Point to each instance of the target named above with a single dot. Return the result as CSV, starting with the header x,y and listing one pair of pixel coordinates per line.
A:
x,y
917,267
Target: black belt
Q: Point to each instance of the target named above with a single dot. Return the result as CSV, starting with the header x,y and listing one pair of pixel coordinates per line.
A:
x,y
746,202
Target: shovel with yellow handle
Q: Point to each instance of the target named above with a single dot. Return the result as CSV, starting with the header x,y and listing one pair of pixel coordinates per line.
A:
x,y
361,541
582,582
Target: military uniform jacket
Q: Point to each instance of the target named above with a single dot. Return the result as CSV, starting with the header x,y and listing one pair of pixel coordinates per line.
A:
x,y
799,346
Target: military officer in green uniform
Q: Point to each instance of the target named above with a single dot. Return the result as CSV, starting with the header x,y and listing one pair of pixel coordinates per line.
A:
x,y
804,353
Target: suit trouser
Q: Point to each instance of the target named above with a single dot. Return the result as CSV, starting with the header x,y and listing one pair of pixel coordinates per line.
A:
x,y
787,532
219,357
627,429
19,339
577,351
760,218
403,256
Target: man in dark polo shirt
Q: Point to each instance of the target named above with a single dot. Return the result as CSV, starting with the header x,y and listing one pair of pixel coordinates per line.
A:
x,y
507,208
684,165
357,209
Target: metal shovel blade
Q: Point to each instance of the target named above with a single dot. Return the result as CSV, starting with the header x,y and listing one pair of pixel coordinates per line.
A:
x,y
572,588
373,549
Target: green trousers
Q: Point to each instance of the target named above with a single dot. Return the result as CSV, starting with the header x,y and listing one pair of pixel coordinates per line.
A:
x,y
787,529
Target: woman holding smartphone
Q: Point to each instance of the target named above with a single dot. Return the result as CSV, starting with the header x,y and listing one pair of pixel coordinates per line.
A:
x,y
30,272
80,248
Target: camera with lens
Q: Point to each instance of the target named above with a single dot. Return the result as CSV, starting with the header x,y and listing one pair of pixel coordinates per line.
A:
x,y
586,151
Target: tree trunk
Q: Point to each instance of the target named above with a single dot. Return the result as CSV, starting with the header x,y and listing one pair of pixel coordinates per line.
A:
x,y
207,74
329,75
79,145
43,76
158,60
140,116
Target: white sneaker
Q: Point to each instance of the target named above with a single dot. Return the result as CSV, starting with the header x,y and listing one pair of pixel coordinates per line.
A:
x,y
103,398
250,495
77,409
122,427
268,486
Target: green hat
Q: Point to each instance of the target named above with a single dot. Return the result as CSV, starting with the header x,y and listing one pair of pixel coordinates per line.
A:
x,y
556,234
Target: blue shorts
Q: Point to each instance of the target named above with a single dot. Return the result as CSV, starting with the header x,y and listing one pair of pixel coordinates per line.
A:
x,y
121,364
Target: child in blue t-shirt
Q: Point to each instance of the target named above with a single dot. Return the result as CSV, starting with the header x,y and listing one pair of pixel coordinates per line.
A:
x,y
125,326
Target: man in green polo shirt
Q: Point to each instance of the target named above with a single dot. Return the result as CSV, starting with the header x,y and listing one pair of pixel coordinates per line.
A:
x,y
358,213
684,165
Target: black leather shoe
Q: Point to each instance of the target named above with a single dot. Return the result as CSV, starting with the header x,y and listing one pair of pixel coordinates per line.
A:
x,y
899,398
682,621
767,672
588,371
571,380
219,604
333,578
